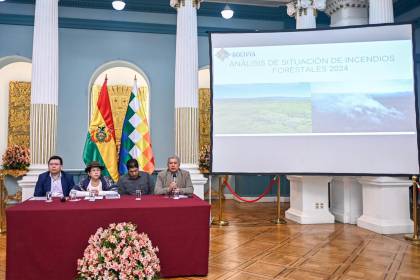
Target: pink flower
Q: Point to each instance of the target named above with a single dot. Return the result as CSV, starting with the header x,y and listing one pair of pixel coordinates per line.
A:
x,y
16,157
100,262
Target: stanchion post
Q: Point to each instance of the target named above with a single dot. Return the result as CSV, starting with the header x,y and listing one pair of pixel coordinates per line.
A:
x,y
2,204
415,237
279,220
220,221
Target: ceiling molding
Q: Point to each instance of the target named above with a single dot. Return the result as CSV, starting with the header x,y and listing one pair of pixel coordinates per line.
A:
x,y
162,6
263,3
246,9
109,25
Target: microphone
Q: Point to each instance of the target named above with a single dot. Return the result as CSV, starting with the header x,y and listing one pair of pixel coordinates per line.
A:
x,y
174,177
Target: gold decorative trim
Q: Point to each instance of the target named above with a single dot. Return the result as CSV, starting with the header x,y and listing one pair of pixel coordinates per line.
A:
x,y
19,113
177,3
204,116
4,197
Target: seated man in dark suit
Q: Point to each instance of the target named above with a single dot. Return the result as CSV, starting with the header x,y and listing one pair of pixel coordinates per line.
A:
x,y
56,181
134,180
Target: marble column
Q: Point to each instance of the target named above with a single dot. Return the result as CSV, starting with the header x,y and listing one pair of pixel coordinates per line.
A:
x,y
305,11
308,194
306,19
44,94
347,12
381,11
186,91
386,207
346,192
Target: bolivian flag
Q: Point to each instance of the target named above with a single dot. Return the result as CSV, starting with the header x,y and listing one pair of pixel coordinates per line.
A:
x,y
100,141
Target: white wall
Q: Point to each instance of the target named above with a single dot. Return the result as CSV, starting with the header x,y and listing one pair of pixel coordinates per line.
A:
x,y
17,71
121,76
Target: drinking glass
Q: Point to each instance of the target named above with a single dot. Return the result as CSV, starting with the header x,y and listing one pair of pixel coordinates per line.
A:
x,y
73,195
138,194
91,196
49,197
176,193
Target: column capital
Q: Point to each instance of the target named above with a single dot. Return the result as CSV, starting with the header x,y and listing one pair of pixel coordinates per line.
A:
x,y
299,7
178,3
333,6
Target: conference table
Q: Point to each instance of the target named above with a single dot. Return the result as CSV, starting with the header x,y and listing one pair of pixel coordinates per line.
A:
x,y
44,240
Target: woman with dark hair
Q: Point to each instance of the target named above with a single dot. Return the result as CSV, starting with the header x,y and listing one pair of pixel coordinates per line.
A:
x,y
95,182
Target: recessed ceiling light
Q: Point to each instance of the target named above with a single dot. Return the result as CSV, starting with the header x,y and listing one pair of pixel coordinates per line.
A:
x,y
118,5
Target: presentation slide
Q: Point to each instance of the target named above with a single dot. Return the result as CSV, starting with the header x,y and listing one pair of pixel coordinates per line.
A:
x,y
338,101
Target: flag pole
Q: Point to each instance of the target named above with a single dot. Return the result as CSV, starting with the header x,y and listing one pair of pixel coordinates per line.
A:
x,y
279,220
220,221
414,238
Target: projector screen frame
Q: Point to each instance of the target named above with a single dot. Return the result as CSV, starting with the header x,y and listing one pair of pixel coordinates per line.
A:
x,y
416,98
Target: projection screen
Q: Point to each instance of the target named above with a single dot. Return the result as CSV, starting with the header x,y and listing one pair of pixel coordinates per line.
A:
x,y
336,101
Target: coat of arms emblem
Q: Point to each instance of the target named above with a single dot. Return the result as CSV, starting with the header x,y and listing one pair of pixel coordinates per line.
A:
x,y
101,134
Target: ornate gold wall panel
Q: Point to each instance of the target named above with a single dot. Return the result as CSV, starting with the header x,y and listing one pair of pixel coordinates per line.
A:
x,y
19,113
119,96
204,116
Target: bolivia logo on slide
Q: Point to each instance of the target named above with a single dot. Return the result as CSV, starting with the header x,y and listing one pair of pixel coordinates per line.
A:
x,y
100,134
222,54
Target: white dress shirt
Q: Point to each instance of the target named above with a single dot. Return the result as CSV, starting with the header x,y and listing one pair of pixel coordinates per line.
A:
x,y
56,187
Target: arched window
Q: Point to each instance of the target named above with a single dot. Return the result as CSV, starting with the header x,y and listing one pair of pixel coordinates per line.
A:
x,y
121,75
15,101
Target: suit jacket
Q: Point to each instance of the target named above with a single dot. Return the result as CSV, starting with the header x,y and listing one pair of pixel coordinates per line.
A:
x,y
183,181
43,185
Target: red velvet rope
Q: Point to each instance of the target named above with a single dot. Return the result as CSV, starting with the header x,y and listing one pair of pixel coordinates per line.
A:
x,y
253,200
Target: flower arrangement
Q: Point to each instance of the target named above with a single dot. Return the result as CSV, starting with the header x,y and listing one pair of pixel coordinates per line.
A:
x,y
204,160
16,157
119,252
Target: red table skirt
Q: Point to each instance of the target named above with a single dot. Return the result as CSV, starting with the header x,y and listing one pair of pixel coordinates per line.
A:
x,y
44,240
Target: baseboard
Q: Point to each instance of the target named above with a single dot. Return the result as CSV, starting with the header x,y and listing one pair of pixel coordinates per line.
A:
x,y
340,216
302,218
382,226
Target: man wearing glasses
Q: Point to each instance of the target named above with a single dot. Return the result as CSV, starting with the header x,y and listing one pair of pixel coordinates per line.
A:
x,y
55,180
